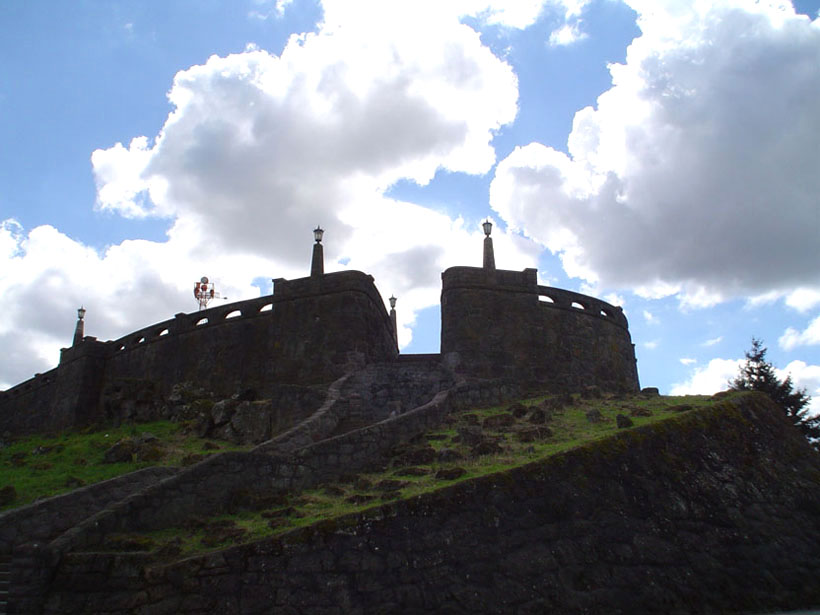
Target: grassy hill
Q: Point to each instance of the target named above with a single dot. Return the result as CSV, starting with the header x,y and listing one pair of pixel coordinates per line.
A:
x,y
471,443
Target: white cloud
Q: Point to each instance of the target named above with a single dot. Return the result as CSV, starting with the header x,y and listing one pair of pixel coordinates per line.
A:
x,y
650,318
792,338
803,299
566,35
650,345
699,155
257,150
709,379
712,342
806,377
718,373
686,361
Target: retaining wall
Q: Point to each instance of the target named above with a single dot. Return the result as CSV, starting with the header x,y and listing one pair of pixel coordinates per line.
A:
x,y
716,511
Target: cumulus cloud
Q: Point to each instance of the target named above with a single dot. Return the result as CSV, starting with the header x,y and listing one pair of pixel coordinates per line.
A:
x,y
260,148
716,376
709,379
695,174
792,338
806,377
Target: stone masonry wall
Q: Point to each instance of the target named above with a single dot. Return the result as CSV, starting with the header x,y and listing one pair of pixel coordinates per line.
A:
x,y
46,519
501,324
715,511
311,331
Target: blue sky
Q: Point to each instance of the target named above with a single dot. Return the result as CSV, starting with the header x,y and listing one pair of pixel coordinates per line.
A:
x,y
660,155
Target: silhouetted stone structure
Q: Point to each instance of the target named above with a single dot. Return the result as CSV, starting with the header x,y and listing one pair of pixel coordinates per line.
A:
x,y
310,331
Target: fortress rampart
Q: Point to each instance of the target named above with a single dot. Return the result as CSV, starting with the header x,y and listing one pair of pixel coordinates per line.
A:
x,y
310,331
495,324
502,324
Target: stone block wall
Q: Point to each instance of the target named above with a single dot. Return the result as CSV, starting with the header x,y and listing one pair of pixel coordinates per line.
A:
x,y
716,511
311,331
502,324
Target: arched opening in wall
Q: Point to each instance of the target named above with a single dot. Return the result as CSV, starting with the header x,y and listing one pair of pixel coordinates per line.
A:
x,y
163,332
233,314
201,321
604,313
545,299
121,347
266,308
578,306
141,340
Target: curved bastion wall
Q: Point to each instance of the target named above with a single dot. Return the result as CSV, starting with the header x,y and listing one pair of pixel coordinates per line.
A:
x,y
503,324
310,331
495,324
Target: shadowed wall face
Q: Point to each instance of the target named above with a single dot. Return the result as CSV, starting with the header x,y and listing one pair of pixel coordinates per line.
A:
x,y
493,324
316,330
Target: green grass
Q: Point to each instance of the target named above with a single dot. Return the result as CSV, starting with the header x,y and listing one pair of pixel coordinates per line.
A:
x,y
42,466
570,429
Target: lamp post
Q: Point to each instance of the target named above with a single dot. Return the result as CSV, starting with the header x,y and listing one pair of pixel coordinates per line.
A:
x,y
79,329
489,256
392,301
317,263
488,227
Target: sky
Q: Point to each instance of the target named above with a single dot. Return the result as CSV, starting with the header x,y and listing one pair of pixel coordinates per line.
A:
x,y
663,155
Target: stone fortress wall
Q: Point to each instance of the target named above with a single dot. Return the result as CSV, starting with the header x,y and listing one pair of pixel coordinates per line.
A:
x,y
496,324
311,330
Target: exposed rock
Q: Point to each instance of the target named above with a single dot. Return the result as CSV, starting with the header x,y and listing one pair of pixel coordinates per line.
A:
x,y
222,411
413,455
680,408
540,415
498,421
251,422
518,410
191,458
450,473
390,484
134,449
594,416
650,392
446,455
470,435
532,434
637,411
623,421
486,447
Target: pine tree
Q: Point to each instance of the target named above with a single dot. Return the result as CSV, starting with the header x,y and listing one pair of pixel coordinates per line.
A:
x,y
757,374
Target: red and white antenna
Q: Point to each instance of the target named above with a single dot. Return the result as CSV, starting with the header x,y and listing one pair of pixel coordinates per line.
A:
x,y
204,291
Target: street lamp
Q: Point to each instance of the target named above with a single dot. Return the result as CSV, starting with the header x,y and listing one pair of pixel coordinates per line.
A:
x,y
81,313
392,301
488,227
317,234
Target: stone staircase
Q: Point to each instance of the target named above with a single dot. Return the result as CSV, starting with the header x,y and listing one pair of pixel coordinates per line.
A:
x,y
5,583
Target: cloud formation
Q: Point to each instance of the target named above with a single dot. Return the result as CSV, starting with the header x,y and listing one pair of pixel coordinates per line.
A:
x,y
792,338
260,148
696,172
